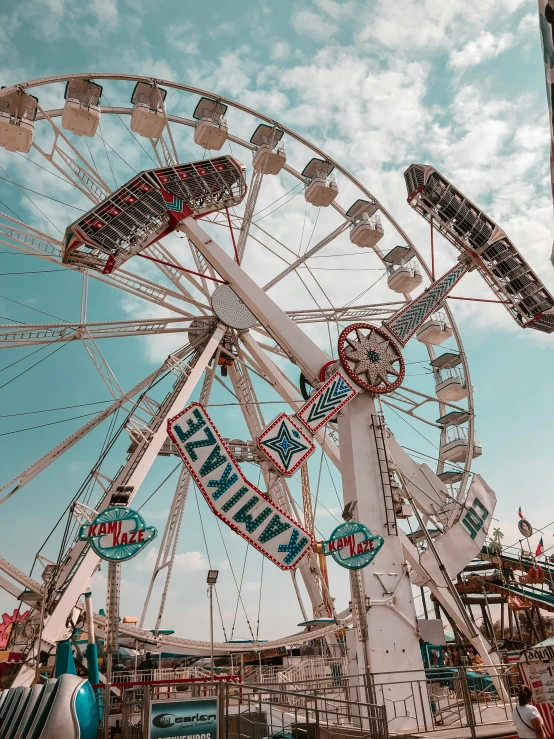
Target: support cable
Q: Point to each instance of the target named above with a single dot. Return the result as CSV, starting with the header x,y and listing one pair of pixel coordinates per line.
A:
x,y
208,555
240,589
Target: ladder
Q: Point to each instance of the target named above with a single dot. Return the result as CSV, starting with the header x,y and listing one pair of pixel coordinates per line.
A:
x,y
379,428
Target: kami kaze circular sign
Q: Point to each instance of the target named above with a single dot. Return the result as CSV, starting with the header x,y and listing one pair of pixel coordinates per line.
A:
x,y
117,534
352,545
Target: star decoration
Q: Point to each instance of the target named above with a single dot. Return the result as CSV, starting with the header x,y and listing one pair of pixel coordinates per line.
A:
x,y
285,445
372,355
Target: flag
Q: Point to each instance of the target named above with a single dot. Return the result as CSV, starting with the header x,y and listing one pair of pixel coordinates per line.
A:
x,y
519,513
540,548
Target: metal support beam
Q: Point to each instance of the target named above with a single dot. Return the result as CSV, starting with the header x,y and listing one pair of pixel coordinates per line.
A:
x,y
81,562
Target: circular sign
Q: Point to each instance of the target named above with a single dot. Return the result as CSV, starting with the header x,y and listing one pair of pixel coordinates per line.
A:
x,y
117,534
525,528
352,545
371,358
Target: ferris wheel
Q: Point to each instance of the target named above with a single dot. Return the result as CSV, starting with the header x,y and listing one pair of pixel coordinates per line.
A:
x,y
266,269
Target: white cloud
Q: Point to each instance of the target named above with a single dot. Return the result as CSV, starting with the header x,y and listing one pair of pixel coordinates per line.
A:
x,y
184,562
280,51
485,46
308,23
439,24
183,38
337,10
529,24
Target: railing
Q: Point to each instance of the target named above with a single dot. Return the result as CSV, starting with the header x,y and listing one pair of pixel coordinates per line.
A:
x,y
457,433
450,697
328,180
344,707
278,148
441,318
245,711
143,98
86,99
411,265
207,115
450,373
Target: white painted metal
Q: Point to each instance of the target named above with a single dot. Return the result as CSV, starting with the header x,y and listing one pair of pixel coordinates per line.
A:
x,y
268,159
17,121
170,538
321,191
300,316
81,114
455,443
309,253
360,470
450,385
81,566
391,615
276,322
27,475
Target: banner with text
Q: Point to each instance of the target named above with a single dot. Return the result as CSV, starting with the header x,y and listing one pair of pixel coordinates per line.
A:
x,y
231,496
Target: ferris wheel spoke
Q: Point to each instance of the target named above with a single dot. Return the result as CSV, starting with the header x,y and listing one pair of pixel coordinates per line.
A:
x,y
18,235
276,485
249,208
287,391
161,150
47,333
412,398
31,472
310,253
177,274
76,169
170,538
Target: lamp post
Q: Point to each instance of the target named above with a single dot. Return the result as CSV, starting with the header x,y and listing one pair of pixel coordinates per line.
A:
x,y
211,580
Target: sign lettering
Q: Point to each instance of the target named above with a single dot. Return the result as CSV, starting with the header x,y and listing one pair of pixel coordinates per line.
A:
x,y
475,518
117,533
232,498
352,545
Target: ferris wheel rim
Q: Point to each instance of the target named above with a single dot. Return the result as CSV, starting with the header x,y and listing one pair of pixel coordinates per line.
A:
x,y
119,76
245,144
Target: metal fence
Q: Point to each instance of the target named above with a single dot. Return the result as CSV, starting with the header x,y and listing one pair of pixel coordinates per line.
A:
x,y
445,698
245,711
341,706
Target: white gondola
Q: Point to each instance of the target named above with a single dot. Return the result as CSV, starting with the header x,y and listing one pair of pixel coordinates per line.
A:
x,y
321,188
403,278
455,445
269,156
436,329
366,229
211,129
450,384
18,111
147,118
81,112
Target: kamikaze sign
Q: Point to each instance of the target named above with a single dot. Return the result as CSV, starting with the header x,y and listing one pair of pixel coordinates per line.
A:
x,y
231,496
117,533
352,545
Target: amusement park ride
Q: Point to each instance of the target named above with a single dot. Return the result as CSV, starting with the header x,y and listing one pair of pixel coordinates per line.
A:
x,y
236,325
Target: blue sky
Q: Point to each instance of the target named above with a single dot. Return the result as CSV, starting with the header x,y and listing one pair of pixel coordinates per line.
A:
x,y
377,85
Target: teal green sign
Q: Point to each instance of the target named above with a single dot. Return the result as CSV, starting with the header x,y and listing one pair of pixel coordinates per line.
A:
x,y
352,545
117,534
194,718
